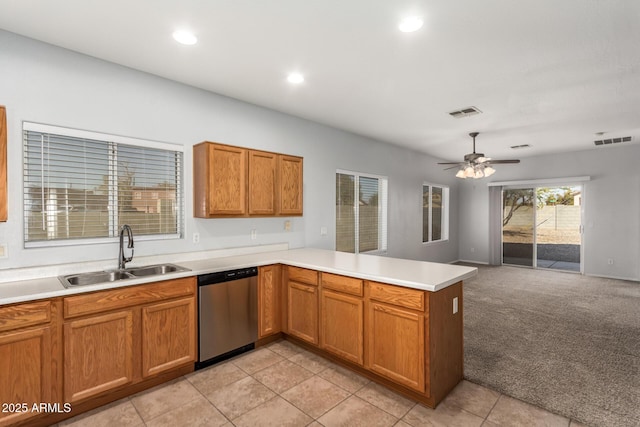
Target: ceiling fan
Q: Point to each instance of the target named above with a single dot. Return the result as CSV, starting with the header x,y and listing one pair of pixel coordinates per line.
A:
x,y
476,165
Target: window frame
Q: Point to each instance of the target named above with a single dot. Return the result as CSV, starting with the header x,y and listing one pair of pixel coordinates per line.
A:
x,y
444,224
109,140
383,212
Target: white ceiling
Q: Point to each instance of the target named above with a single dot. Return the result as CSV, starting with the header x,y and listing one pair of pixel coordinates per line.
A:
x,y
548,73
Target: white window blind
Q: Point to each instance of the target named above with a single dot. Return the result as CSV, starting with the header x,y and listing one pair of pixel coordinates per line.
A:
x,y
84,185
361,212
435,213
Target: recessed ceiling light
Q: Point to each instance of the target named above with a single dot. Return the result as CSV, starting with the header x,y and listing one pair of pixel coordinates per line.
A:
x,y
185,37
410,24
295,78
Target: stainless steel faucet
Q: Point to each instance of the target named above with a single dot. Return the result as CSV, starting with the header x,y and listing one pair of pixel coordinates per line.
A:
x,y
122,260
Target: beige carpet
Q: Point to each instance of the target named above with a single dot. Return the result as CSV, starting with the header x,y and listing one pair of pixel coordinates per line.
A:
x,y
565,342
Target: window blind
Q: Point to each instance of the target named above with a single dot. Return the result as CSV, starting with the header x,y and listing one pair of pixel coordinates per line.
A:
x,y
361,222
80,187
435,211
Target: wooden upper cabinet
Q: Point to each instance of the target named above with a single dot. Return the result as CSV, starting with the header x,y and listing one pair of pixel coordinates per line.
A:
x,y
219,180
290,185
262,182
232,181
3,164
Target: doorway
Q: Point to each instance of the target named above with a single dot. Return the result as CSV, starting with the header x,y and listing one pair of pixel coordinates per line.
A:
x,y
541,227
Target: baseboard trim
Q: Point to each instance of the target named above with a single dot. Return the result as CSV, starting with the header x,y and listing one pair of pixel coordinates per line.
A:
x,y
469,261
630,279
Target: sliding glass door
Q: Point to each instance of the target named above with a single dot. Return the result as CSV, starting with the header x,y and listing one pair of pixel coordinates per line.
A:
x,y
558,227
541,227
518,226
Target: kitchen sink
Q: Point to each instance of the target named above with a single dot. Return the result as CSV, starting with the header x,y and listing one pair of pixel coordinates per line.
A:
x,y
152,270
96,277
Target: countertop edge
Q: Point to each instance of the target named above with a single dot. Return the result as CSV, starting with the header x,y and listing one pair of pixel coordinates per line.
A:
x,y
228,263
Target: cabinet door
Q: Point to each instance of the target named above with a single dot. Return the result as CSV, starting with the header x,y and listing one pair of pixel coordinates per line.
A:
x,y
98,354
262,183
303,311
269,313
341,325
227,180
3,164
396,346
168,335
25,364
290,185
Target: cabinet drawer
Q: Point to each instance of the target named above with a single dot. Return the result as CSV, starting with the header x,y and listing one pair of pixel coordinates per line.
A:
x,y
344,284
112,299
303,275
397,295
23,315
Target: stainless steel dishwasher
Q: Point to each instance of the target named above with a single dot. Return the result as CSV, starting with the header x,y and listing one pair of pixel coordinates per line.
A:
x,y
227,314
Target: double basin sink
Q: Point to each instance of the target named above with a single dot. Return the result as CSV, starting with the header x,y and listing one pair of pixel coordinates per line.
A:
x,y
96,277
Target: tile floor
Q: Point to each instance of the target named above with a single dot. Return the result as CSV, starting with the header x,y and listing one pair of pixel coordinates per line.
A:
x,y
283,385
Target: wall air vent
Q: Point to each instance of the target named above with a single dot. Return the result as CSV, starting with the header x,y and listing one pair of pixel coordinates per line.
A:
x,y
613,140
517,147
465,112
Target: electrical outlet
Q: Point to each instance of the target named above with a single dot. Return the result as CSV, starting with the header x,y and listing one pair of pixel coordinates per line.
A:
x,y
323,231
455,305
3,250
196,238
287,225
610,261
254,234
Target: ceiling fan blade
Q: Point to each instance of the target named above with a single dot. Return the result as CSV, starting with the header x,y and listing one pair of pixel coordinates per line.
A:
x,y
452,167
493,162
451,163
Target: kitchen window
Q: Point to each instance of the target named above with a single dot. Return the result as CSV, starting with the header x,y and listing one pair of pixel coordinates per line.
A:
x,y
435,213
81,187
361,212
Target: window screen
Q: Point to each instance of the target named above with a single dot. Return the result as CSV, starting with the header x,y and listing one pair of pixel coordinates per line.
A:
x,y
84,185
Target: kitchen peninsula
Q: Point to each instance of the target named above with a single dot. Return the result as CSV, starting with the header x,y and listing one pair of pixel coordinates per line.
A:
x,y
397,321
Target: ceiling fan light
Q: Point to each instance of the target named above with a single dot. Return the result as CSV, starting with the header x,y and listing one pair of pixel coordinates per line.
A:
x,y
460,174
469,172
478,174
488,171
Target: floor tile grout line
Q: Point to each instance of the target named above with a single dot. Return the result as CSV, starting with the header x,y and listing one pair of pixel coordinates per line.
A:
x,y
493,407
209,401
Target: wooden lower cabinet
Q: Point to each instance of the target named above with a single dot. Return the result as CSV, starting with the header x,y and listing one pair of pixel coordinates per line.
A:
x,y
269,300
396,349
168,335
30,357
342,325
302,311
405,338
124,336
26,366
98,354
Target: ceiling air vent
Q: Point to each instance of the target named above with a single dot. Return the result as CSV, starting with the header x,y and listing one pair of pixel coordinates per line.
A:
x,y
465,112
517,147
612,140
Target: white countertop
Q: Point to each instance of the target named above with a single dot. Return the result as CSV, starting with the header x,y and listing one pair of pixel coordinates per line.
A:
x,y
428,276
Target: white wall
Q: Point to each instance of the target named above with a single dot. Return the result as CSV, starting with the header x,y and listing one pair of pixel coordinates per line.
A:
x,y
45,84
611,205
